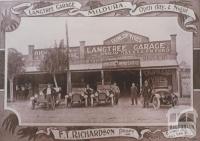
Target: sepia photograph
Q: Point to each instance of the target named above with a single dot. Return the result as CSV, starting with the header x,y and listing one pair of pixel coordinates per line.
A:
x,y
98,71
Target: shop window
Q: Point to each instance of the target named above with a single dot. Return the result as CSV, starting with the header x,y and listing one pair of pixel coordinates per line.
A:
x,y
160,81
196,69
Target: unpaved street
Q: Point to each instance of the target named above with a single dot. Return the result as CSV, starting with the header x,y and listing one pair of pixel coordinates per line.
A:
x,y
124,113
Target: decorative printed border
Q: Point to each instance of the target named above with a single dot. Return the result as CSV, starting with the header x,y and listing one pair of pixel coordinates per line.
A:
x,y
73,8
11,20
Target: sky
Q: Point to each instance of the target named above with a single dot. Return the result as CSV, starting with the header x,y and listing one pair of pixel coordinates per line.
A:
x,y
44,31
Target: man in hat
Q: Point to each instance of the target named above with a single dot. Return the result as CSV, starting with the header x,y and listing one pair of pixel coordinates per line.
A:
x,y
49,91
134,93
146,92
116,91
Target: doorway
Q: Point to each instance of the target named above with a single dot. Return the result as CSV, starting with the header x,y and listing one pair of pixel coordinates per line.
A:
x,y
124,79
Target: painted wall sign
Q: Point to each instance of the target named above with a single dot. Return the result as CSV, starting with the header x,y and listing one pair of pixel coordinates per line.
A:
x,y
121,63
39,53
126,37
129,49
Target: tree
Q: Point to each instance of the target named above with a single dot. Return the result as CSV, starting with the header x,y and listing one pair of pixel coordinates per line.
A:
x,y
55,61
15,67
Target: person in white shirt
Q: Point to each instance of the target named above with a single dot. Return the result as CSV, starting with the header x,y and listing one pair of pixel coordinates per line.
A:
x,y
49,91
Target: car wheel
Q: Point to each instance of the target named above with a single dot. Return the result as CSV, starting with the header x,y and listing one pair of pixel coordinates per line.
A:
x,y
156,102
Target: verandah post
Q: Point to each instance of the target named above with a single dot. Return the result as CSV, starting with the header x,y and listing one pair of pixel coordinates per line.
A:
x,y
140,80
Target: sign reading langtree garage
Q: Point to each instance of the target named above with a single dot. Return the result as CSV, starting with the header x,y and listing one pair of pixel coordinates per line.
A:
x,y
129,49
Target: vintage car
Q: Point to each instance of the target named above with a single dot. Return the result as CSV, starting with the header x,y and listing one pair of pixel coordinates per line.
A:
x,y
41,100
163,96
76,97
103,95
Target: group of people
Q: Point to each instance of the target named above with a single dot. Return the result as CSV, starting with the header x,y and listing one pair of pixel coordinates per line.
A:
x,y
134,92
49,93
22,92
114,90
146,93
52,96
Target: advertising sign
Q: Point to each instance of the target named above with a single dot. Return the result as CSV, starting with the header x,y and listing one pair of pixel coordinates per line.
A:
x,y
126,37
129,49
121,63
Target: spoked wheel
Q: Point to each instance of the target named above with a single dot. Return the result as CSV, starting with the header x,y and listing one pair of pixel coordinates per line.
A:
x,y
156,102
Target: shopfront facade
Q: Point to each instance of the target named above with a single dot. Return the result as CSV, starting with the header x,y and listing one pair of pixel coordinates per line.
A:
x,y
123,58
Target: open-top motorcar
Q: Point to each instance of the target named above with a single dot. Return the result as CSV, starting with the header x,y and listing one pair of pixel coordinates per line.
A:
x,y
76,97
163,96
41,100
103,95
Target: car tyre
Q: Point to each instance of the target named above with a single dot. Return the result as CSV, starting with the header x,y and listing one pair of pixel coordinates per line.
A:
x,y
156,102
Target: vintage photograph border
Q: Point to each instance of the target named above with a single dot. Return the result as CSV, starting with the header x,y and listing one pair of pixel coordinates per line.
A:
x,y
85,124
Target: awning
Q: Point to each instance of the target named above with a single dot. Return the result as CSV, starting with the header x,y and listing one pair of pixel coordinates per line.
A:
x,y
98,66
86,67
160,63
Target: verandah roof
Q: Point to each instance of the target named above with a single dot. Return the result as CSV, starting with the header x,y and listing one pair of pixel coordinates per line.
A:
x,y
98,66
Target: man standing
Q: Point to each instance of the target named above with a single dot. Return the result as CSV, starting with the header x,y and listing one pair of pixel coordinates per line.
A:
x,y
146,92
23,92
49,95
26,92
116,91
134,93
88,92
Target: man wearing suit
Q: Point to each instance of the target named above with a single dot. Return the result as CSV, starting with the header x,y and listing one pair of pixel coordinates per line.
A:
x,y
146,92
134,93
116,91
